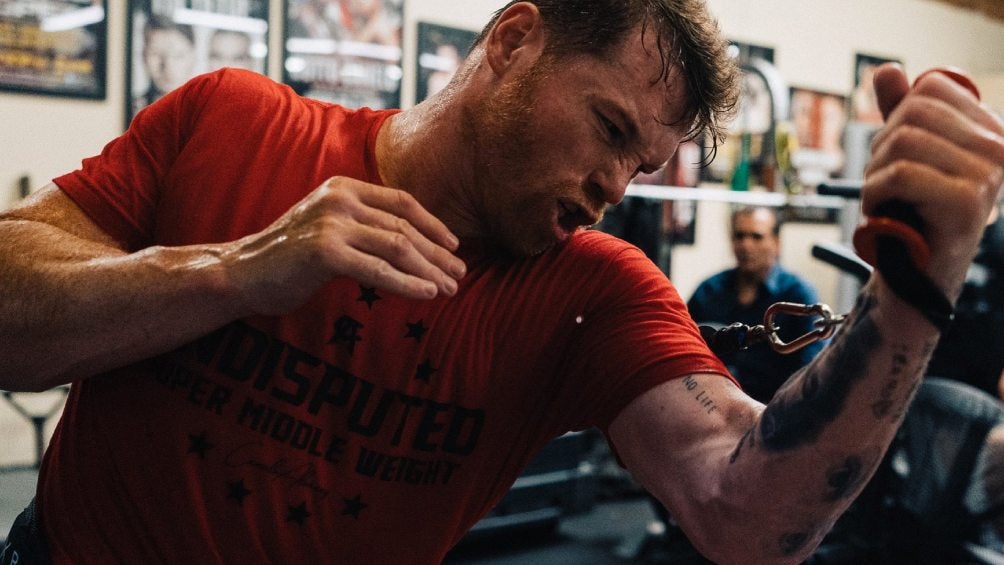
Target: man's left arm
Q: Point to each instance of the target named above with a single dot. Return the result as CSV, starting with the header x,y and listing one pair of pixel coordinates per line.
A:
x,y
764,484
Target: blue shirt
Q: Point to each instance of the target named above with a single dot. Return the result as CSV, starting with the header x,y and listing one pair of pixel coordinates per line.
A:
x,y
759,369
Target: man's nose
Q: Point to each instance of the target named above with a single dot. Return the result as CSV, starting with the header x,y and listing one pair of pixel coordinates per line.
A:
x,y
610,185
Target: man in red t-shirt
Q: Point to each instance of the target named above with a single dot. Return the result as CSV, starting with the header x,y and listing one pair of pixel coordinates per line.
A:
x,y
298,332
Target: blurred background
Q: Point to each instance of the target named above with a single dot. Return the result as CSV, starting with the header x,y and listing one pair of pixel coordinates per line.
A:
x,y
74,72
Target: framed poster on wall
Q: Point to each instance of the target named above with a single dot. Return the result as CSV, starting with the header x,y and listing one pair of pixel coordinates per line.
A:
x,y
54,47
344,51
441,50
819,119
171,41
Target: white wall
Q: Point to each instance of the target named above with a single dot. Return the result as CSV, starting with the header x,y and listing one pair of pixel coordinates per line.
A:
x,y
814,41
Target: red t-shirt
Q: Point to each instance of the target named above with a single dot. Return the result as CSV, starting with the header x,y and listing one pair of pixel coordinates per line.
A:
x,y
363,427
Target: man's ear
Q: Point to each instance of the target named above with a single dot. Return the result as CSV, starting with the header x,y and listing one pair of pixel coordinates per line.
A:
x,y
517,39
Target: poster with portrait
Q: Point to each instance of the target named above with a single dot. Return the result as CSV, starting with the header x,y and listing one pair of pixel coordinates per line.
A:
x,y
53,47
171,41
864,104
345,51
441,50
818,119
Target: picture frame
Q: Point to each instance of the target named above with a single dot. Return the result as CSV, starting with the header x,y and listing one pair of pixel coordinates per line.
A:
x,y
818,121
441,51
345,51
169,42
54,47
863,102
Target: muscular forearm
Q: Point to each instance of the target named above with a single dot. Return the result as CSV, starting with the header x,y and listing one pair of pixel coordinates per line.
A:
x,y
74,304
765,484
72,307
819,440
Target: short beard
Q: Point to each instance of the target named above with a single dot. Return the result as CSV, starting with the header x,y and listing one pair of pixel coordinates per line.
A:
x,y
502,135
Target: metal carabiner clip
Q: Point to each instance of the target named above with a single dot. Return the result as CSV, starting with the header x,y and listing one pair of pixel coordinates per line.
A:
x,y
825,326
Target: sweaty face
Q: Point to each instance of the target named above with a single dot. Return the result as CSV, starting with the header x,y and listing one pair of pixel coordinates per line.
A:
x,y
754,243
557,143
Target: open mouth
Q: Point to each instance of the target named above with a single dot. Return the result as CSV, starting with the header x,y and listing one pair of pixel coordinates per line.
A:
x,y
572,216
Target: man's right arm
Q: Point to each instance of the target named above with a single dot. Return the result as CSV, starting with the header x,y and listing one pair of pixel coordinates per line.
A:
x,y
75,304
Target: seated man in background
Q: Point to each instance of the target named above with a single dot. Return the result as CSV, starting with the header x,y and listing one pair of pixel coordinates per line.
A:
x,y
742,294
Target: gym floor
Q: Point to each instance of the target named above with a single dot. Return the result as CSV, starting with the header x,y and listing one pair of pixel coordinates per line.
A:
x,y
613,532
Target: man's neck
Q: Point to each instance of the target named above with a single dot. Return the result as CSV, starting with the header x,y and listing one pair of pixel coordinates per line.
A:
x,y
748,285
421,151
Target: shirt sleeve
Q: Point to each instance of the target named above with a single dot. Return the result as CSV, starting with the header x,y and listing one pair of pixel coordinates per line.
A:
x,y
118,189
641,335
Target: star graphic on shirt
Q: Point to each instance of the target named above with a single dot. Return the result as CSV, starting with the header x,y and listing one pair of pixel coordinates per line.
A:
x,y
198,444
424,371
416,330
237,491
353,506
368,295
298,513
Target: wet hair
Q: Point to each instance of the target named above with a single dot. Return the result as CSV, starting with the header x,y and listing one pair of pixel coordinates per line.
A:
x,y
688,35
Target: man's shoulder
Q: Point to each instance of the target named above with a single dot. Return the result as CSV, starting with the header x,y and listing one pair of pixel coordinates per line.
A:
x,y
239,85
596,243
603,255
594,246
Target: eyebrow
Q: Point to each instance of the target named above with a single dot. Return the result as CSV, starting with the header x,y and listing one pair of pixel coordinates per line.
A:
x,y
630,125
631,130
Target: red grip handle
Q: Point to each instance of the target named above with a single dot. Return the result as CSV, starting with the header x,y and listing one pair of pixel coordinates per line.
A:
x,y
896,219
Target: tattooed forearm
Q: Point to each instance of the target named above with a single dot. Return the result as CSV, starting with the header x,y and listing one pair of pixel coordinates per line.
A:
x,y
844,479
925,354
793,542
882,406
802,408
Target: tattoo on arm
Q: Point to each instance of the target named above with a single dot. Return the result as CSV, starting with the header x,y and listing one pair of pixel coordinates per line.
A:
x,y
802,408
843,478
899,366
792,542
749,438
925,354
701,394
847,476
